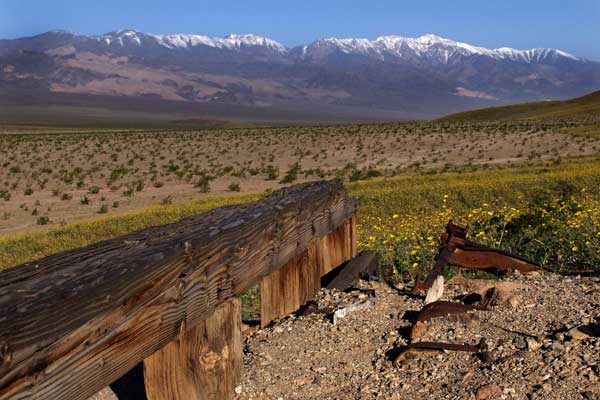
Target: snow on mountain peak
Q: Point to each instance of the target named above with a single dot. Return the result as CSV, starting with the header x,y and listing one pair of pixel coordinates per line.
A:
x,y
233,42
254,40
532,55
120,37
434,47
428,46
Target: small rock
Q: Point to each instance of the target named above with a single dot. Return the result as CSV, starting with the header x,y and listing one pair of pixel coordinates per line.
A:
x,y
487,391
589,395
546,387
577,334
520,343
238,389
514,300
533,344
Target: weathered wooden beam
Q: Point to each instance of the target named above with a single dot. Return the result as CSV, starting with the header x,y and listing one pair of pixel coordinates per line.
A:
x,y
365,265
205,363
286,290
337,247
72,323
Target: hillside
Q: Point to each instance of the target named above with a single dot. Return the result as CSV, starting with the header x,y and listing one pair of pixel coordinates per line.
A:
x,y
387,78
588,105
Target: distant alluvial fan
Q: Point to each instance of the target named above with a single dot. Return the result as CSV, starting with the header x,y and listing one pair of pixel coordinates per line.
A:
x,y
411,77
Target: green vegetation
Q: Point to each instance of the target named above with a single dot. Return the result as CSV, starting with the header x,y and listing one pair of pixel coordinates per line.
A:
x,y
234,187
592,130
548,212
72,173
585,107
29,246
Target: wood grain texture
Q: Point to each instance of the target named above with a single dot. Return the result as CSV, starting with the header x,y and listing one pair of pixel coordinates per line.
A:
x,y
365,266
72,323
337,247
284,291
205,363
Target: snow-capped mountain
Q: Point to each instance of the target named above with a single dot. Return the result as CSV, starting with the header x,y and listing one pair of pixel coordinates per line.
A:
x,y
415,77
424,48
128,37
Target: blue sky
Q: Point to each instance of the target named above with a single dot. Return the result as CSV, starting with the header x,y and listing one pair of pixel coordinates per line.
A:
x,y
571,25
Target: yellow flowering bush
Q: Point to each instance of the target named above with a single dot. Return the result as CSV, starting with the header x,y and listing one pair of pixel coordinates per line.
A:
x,y
550,214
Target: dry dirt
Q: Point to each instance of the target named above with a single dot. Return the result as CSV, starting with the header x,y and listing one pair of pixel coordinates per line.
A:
x,y
64,176
534,352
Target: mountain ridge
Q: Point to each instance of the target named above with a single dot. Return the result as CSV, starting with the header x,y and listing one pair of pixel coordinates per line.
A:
x,y
390,43
422,77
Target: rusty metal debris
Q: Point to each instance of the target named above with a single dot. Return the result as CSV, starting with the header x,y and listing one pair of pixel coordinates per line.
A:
x,y
438,309
456,250
414,349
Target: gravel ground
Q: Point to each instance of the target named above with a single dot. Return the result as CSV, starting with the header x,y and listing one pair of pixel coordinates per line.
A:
x,y
533,351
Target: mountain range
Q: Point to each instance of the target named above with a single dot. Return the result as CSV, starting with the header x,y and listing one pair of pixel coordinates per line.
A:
x,y
390,77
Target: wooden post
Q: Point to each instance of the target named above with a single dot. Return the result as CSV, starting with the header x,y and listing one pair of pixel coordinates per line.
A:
x,y
284,291
205,363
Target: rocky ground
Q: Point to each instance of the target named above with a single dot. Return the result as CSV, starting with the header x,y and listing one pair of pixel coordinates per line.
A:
x,y
533,350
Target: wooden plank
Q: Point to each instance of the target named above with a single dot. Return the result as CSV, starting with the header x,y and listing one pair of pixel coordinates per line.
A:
x,y
205,363
364,265
72,323
337,247
286,290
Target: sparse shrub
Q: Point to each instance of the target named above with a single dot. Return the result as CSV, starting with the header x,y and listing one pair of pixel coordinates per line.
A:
x,y
43,220
272,172
203,183
292,174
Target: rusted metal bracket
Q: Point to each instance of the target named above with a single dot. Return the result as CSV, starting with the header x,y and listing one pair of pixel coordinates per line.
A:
x,y
438,309
412,349
456,250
